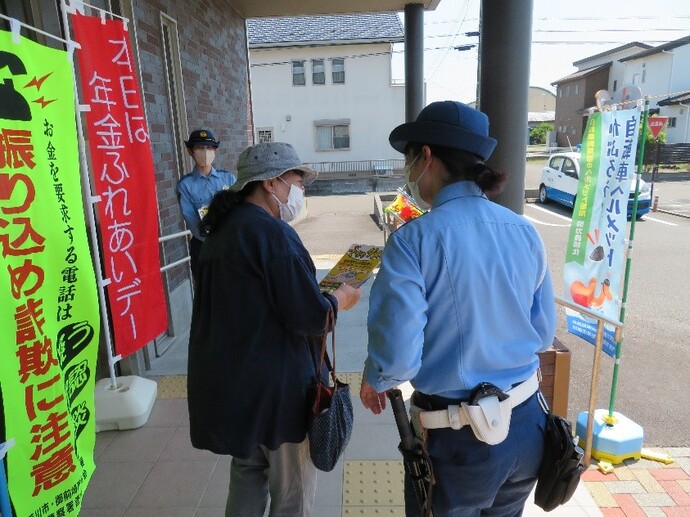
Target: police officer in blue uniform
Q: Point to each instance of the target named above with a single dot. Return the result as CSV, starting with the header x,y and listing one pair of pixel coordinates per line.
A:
x,y
196,189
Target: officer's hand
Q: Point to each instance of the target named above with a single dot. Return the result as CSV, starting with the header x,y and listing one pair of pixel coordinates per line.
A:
x,y
347,296
376,402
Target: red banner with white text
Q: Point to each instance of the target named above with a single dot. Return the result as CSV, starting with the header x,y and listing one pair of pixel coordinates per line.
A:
x,y
123,173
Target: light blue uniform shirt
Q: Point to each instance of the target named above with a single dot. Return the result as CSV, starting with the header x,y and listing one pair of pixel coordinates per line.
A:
x,y
463,295
195,191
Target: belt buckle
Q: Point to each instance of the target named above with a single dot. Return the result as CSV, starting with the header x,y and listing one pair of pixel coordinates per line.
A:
x,y
486,389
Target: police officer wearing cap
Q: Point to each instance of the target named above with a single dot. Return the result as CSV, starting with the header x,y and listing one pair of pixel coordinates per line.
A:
x,y
196,189
462,304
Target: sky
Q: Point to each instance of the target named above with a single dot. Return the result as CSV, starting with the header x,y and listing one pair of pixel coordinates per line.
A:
x,y
562,32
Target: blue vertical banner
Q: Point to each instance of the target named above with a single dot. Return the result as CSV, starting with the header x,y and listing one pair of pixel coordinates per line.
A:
x,y
595,255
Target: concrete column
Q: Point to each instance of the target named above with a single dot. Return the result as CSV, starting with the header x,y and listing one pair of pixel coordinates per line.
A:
x,y
506,40
414,60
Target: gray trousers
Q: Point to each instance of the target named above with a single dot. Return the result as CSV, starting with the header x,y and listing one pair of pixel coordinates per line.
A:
x,y
287,474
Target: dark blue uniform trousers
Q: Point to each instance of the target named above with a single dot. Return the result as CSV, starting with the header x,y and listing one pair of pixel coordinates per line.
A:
x,y
476,479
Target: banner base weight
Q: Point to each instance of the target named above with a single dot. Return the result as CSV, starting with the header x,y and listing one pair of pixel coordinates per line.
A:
x,y
125,406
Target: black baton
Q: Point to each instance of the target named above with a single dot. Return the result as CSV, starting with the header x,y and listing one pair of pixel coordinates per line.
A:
x,y
407,442
416,462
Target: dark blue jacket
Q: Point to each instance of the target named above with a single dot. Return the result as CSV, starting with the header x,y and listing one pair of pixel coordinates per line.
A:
x,y
257,306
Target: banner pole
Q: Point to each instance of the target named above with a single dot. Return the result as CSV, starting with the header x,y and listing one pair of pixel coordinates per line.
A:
x,y
86,182
628,260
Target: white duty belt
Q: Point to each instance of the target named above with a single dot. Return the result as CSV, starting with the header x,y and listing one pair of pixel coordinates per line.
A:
x,y
456,416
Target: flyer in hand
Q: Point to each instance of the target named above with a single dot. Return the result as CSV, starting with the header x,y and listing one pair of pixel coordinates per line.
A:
x,y
353,268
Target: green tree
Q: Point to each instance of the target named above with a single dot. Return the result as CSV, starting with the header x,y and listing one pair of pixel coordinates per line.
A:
x,y
538,133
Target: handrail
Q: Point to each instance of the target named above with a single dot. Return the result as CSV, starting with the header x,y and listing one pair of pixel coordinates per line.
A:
x,y
164,269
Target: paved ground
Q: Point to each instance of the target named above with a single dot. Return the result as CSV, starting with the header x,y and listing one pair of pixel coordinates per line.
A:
x,y
154,471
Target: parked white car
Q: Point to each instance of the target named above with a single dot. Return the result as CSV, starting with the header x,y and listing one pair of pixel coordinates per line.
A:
x,y
560,177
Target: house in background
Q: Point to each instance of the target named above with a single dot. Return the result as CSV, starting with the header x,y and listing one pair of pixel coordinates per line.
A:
x,y
541,104
194,72
662,74
575,92
323,84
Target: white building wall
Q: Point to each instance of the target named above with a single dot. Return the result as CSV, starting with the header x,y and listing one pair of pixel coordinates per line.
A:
x,y
679,133
368,99
652,74
680,78
665,74
616,76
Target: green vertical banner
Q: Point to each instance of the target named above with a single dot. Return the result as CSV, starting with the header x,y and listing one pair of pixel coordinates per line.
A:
x,y
595,253
49,322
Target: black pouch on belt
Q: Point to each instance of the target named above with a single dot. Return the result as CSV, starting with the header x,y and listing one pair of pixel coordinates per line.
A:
x,y
561,466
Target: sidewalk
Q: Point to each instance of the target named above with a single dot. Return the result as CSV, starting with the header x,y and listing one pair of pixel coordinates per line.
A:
x,y
154,471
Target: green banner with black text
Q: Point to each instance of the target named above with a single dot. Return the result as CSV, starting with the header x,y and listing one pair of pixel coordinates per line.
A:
x,y
49,322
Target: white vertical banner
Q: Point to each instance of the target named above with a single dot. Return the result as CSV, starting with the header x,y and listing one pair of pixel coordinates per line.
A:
x,y
595,254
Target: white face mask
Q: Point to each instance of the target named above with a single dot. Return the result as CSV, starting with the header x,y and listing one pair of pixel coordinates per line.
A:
x,y
204,157
413,186
295,201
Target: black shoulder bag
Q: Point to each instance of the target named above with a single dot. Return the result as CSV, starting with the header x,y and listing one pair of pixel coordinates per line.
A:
x,y
561,465
331,416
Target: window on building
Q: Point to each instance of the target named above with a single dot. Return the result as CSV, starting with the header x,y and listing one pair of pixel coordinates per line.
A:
x,y
615,85
577,89
671,122
567,91
332,134
264,134
318,71
560,91
298,78
644,74
173,76
338,70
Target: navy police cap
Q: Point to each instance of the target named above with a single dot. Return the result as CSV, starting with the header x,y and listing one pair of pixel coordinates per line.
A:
x,y
201,137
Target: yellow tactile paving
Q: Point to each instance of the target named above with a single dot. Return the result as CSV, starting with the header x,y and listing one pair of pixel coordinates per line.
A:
x,y
171,386
374,511
648,481
354,379
373,488
601,494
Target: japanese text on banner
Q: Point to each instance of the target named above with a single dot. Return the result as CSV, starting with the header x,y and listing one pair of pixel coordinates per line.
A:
x,y
49,320
122,165
595,253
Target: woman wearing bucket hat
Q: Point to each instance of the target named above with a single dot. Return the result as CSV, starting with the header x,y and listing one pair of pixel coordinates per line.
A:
x,y
463,298
256,304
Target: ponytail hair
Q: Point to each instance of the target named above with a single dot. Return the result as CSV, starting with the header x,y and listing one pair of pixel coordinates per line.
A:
x,y
222,204
489,180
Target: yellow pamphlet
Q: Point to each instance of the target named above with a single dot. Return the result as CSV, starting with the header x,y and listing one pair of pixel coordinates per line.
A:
x,y
354,268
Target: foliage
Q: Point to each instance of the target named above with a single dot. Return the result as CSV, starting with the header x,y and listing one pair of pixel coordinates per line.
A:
x,y
537,134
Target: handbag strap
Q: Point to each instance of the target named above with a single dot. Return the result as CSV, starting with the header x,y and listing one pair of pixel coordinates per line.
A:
x,y
330,327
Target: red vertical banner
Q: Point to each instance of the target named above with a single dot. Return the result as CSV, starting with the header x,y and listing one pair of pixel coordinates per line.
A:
x,y
123,173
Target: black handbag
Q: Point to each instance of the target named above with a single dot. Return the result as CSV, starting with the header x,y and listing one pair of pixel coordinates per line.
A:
x,y
561,465
331,416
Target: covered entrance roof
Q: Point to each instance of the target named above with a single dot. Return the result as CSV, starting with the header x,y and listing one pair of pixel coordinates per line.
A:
x,y
257,9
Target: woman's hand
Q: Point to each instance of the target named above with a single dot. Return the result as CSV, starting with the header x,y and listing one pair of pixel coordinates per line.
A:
x,y
347,296
375,402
